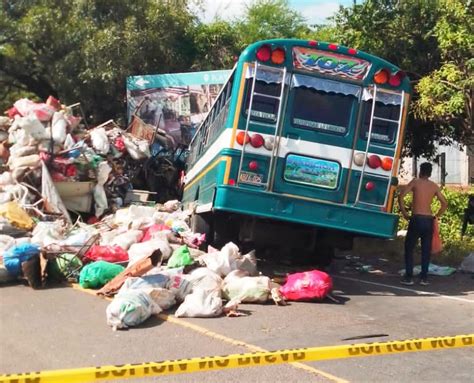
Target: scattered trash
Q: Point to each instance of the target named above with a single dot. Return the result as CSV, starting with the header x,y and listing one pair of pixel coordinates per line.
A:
x,y
432,270
308,285
75,205
97,274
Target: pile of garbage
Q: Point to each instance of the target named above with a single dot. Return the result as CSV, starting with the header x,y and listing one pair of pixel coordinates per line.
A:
x,y
149,260
51,163
143,255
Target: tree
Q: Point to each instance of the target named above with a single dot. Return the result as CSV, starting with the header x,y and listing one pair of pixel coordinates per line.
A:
x,y
216,44
269,19
446,94
84,50
402,32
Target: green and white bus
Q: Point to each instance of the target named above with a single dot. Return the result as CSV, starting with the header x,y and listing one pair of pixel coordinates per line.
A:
x,y
302,144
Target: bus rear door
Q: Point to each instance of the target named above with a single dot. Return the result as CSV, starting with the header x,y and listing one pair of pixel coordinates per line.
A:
x,y
316,139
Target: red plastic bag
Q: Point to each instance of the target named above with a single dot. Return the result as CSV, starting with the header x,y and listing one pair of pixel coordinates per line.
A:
x,y
308,285
436,243
107,253
150,231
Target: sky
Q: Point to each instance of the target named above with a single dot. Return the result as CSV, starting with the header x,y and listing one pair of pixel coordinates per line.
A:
x,y
315,11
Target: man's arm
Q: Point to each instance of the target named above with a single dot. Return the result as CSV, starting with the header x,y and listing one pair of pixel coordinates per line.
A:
x,y
443,201
403,192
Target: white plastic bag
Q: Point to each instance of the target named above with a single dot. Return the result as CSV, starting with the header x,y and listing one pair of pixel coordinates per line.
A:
x,y
248,263
201,303
246,289
100,197
138,149
100,142
145,282
204,278
162,297
32,161
33,127
224,261
127,239
59,127
130,309
179,286
144,249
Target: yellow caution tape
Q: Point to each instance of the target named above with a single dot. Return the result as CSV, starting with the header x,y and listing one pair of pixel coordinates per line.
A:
x,y
91,374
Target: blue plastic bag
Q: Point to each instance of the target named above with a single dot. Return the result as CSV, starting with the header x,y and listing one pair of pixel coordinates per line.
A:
x,y
18,254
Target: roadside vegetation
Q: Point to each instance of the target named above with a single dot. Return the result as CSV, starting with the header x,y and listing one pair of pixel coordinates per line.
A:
x,y
455,249
83,51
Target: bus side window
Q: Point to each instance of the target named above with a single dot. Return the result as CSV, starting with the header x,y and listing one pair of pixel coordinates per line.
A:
x,y
263,108
382,131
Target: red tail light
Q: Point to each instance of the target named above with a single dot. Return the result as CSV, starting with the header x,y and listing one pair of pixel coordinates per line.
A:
x,y
381,77
231,182
387,163
257,140
242,138
369,186
374,161
253,165
333,47
264,53
278,56
396,78
312,43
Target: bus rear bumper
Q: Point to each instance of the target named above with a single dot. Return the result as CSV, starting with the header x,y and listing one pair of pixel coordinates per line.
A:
x,y
304,211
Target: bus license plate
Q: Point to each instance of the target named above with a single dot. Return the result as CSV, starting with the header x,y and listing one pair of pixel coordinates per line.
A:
x,y
251,178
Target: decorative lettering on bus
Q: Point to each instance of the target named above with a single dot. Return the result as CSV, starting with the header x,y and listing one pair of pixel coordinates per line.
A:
x,y
312,171
251,178
259,114
335,64
319,126
379,137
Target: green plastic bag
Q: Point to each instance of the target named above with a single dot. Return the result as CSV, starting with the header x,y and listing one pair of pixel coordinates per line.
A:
x,y
180,257
97,274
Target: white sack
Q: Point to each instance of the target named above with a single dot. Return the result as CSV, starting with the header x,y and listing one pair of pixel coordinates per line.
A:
x,y
130,309
200,303
100,141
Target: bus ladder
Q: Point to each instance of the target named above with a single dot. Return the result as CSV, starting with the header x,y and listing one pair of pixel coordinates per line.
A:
x,y
279,71
365,169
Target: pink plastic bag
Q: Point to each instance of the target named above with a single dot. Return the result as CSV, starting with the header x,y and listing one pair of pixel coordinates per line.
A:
x,y
42,111
107,253
308,285
150,231
436,243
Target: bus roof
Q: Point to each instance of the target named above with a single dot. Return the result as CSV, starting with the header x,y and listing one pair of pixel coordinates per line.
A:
x,y
329,60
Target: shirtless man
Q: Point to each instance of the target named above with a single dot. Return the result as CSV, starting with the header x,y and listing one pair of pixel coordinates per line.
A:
x,y
421,222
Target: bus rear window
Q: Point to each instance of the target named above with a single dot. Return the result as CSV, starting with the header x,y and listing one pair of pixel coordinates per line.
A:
x,y
263,108
383,131
322,111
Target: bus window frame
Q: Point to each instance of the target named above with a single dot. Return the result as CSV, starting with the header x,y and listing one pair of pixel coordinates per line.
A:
x,y
366,108
354,110
205,134
247,90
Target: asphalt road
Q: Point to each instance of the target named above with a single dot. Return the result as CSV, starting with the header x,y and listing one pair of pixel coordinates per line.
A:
x,y
62,327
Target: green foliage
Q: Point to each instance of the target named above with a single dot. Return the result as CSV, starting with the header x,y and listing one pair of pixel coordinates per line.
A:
x,y
450,225
432,41
270,19
445,94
